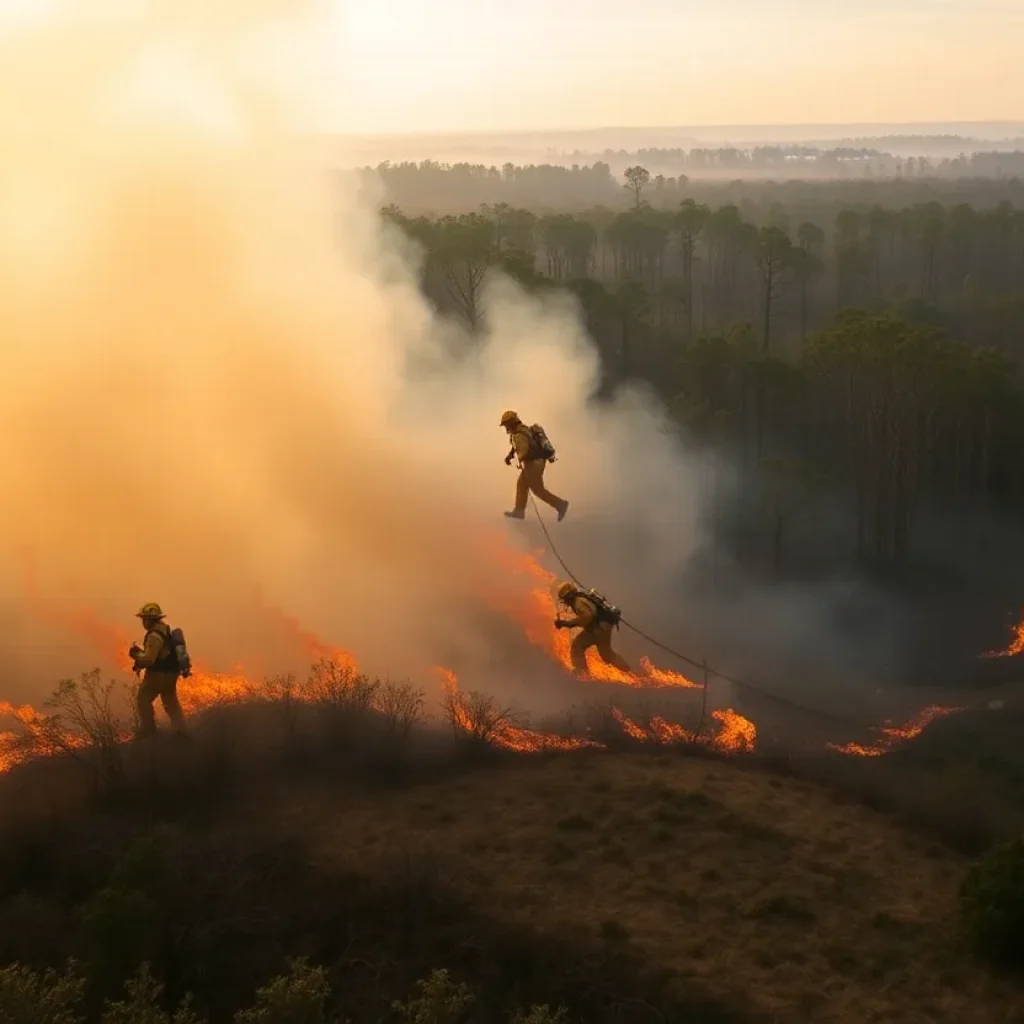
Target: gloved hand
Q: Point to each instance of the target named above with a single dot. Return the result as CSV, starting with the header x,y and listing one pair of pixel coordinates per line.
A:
x,y
509,458
134,651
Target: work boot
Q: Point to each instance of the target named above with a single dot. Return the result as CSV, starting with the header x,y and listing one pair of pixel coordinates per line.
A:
x,y
515,514
563,510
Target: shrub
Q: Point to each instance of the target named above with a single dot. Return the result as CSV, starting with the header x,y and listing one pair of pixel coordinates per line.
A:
x,y
438,1000
85,725
142,1005
282,693
541,1015
30,998
298,997
122,923
476,716
120,928
992,905
402,707
339,687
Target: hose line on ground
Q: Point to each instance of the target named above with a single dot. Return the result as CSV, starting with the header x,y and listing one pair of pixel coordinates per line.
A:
x,y
750,687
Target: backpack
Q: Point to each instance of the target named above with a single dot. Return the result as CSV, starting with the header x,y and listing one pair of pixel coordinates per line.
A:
x,y
606,611
181,655
175,656
540,446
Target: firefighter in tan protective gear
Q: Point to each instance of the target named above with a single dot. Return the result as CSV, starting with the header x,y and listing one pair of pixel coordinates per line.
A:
x,y
158,663
532,461
597,619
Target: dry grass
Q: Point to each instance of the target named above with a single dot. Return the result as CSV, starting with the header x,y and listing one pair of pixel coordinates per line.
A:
x,y
763,890
773,898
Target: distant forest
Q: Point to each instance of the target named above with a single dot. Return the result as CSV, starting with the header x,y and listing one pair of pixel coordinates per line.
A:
x,y
853,348
796,172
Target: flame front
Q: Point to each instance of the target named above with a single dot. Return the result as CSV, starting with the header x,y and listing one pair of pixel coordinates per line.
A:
x,y
502,733
735,734
1015,647
533,609
536,612
891,735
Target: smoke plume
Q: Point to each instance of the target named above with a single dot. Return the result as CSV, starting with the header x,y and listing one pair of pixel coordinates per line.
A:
x,y
220,388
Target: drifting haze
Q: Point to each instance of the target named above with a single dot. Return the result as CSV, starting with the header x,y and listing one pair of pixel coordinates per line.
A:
x,y
219,387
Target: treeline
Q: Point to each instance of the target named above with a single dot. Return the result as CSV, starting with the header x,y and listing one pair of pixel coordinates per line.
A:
x,y
874,358
433,187
836,162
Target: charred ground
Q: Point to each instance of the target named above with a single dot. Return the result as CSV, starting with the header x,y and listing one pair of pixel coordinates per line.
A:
x,y
627,885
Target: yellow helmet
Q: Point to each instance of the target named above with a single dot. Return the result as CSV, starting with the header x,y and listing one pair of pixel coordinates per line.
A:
x,y
150,611
508,417
565,589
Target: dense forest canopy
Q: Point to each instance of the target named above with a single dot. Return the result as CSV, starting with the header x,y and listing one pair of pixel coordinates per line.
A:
x,y
854,360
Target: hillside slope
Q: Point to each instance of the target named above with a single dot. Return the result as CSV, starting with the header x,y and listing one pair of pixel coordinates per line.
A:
x,y
629,887
770,894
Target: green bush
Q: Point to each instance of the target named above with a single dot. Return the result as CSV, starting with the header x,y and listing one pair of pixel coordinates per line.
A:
x,y
123,923
142,1005
992,905
121,930
541,1015
438,1000
29,998
298,997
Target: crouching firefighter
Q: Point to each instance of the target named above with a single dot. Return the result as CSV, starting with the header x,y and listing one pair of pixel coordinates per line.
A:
x,y
161,659
533,450
598,618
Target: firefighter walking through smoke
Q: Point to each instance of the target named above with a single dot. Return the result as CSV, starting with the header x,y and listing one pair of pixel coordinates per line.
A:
x,y
161,659
598,618
533,450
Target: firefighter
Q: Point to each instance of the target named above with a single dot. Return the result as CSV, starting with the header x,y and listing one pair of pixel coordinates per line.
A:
x,y
158,662
598,619
532,462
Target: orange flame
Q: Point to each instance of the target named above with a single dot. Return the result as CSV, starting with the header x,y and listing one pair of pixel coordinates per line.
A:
x,y
891,735
736,734
203,688
40,737
536,612
1015,647
501,733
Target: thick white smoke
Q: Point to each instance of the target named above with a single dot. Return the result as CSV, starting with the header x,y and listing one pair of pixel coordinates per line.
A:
x,y
220,388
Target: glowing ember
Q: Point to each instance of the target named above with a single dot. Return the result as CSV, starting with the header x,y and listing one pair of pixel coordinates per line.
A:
x,y
890,735
1015,647
479,719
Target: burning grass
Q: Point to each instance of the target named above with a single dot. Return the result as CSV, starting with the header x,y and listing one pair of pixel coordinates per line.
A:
x,y
336,686
1014,647
891,736
773,899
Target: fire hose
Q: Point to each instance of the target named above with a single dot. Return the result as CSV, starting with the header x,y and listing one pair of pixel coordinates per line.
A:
x,y
708,671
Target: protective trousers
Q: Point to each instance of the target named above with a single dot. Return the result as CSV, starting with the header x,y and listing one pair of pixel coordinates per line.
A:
x,y
165,686
531,478
599,636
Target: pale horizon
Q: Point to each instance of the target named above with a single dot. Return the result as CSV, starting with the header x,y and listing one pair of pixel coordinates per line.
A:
x,y
529,66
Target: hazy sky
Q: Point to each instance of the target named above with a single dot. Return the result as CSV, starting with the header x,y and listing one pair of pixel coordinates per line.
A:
x,y
451,65
421,65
